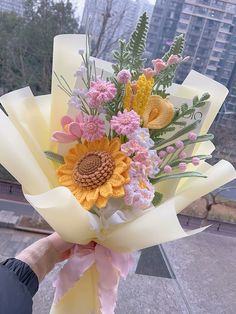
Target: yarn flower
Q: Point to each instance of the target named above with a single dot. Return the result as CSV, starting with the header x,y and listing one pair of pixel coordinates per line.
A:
x,y
95,171
100,92
93,128
159,65
124,76
125,123
71,129
158,113
139,193
142,137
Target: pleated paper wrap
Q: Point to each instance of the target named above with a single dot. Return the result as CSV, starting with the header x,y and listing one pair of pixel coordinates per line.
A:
x,y
25,134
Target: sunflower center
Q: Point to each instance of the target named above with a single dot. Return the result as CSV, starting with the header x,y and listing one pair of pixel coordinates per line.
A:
x,y
93,169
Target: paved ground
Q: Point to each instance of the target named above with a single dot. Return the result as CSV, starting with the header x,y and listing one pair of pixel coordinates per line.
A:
x,y
202,276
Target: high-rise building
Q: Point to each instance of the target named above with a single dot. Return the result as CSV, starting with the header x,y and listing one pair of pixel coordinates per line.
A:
x,y
12,6
209,27
162,28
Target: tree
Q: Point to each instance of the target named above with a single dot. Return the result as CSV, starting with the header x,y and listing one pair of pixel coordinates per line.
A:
x,y
107,21
27,45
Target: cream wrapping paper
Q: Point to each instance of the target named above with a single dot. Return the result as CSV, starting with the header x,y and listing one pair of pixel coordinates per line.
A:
x,y
27,126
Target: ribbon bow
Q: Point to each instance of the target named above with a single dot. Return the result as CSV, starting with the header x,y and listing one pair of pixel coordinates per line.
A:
x,y
109,264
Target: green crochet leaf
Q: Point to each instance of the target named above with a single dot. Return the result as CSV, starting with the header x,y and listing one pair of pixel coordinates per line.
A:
x,y
177,176
129,55
157,198
55,157
137,42
176,48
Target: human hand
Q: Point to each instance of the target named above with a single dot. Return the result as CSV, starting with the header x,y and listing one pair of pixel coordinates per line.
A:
x,y
42,255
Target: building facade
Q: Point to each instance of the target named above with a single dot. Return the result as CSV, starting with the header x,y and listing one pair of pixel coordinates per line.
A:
x,y
163,26
12,6
209,27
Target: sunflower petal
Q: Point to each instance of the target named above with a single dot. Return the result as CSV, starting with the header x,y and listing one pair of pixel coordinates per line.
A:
x,y
92,195
105,190
116,180
118,191
114,145
101,202
87,204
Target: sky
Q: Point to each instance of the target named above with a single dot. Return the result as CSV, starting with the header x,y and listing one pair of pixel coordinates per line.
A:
x,y
80,5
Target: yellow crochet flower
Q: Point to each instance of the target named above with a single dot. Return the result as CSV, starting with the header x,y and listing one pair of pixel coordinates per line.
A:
x,y
95,171
158,113
137,94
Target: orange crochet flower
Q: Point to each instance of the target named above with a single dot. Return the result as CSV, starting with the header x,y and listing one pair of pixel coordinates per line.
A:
x,y
158,113
95,171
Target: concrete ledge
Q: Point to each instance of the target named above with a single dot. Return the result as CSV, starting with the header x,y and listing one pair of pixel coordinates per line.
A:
x,y
8,219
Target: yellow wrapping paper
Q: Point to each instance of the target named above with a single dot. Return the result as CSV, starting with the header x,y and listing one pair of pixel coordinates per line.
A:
x,y
27,129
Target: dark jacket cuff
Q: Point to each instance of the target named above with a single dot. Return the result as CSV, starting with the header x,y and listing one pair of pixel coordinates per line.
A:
x,y
24,273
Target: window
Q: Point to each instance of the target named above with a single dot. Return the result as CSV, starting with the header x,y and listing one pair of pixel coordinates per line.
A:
x,y
226,26
188,7
201,10
219,44
230,7
213,62
204,2
228,16
215,14
182,25
223,36
185,16
216,54
218,4
210,72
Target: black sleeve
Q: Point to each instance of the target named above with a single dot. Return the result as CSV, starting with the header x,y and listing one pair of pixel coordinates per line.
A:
x,y
18,284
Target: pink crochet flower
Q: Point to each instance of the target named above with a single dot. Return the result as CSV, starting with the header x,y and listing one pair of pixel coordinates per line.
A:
x,y
130,147
195,161
71,129
174,59
124,76
149,73
139,193
179,144
125,123
182,155
192,136
170,149
100,92
93,128
159,65
182,166
167,169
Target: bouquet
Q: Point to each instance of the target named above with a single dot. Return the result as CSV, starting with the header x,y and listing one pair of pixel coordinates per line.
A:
x,y
111,157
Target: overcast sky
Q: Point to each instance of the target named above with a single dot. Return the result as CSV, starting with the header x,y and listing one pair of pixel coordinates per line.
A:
x,y
80,5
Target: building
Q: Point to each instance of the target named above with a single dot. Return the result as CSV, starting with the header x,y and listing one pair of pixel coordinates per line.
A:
x,y
209,27
163,26
12,6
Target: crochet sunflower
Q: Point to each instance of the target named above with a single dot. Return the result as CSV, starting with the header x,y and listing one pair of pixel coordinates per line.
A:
x,y
95,171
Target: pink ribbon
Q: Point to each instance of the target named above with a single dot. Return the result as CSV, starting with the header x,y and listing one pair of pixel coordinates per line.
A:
x,y
109,264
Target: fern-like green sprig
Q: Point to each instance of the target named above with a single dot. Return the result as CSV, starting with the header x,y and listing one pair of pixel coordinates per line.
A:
x,y
166,77
177,48
130,55
136,46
